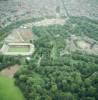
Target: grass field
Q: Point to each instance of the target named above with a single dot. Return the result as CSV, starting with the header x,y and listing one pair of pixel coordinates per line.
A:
x,y
18,49
8,91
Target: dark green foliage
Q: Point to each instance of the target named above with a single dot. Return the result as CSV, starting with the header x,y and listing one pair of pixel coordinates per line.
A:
x,y
85,26
6,61
50,76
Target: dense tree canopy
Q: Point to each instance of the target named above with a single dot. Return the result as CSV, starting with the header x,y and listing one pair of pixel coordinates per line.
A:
x,y
51,76
7,61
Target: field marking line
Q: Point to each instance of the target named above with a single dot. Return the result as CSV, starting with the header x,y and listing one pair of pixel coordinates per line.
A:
x,y
20,36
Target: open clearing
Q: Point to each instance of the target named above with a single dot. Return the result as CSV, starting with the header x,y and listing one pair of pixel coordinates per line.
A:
x,y
8,91
83,45
47,22
10,71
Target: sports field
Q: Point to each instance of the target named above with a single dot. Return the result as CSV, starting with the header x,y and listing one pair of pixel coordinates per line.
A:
x,y
18,49
8,91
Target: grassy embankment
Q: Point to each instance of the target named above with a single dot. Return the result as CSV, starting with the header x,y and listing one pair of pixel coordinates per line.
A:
x,y
8,90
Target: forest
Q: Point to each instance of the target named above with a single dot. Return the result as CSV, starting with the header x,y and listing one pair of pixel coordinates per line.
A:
x,y
7,61
52,76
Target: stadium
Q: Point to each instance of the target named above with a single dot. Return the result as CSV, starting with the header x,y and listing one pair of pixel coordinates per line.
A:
x,y
18,43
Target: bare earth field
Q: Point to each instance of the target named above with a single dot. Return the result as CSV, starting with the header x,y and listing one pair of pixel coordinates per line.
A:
x,y
47,22
10,71
82,44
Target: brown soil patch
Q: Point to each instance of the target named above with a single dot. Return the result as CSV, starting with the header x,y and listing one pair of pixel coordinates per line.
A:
x,y
83,45
10,72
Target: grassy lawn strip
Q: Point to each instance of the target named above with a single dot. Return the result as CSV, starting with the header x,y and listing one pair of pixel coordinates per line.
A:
x,y
8,91
18,49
